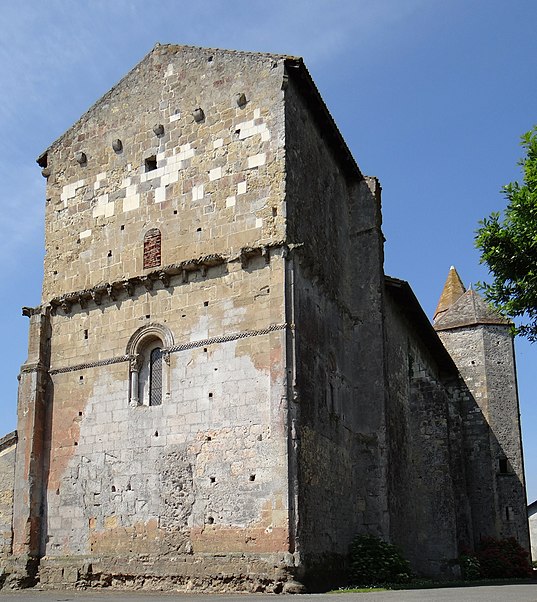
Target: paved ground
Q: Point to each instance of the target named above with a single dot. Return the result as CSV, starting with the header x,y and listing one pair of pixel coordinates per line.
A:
x,y
498,593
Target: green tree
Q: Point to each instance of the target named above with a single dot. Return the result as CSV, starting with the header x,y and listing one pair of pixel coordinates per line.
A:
x,y
509,246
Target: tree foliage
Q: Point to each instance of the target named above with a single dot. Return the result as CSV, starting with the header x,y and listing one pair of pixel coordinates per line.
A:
x,y
509,246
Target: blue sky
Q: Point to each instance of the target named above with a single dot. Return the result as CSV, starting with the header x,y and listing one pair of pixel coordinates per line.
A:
x,y
431,97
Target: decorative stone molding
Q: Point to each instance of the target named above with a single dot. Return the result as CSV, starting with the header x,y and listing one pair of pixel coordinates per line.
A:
x,y
114,290
148,332
96,364
164,334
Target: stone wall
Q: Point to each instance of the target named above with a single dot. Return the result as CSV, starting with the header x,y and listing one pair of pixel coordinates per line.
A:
x,y
484,356
426,470
170,491
8,446
164,480
200,156
334,293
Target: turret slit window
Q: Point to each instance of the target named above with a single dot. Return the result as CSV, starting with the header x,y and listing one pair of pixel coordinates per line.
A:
x,y
155,377
152,248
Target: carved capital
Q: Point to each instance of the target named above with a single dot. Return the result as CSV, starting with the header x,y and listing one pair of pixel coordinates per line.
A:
x,y
166,357
135,362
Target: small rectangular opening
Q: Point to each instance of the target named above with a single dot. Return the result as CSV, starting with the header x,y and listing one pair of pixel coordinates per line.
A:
x,y
151,163
86,334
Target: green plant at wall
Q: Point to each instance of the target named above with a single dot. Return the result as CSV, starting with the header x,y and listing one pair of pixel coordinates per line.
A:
x,y
470,566
503,558
373,561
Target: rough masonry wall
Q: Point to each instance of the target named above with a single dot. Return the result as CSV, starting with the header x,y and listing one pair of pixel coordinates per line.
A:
x,y
206,471
7,476
426,471
185,490
211,181
335,300
484,357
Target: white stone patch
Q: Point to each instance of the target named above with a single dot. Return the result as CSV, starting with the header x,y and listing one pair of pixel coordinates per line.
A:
x,y
161,156
170,178
218,143
265,136
197,193
241,187
109,209
230,201
257,113
185,152
100,207
257,160
258,222
160,194
69,190
85,234
248,128
99,179
215,174
175,117
131,202
131,190
169,70
151,175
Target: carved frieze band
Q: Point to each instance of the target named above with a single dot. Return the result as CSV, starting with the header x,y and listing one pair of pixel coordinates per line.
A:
x,y
164,274
176,348
108,362
229,337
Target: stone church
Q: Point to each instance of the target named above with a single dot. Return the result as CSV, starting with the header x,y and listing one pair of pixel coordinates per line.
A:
x,y
222,386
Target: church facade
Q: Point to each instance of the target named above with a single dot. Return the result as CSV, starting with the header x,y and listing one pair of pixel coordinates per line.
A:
x,y
222,386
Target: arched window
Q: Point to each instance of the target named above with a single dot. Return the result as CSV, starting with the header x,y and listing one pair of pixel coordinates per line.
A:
x,y
152,244
150,373
149,365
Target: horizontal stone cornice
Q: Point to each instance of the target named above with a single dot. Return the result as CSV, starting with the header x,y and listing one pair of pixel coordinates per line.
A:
x,y
112,291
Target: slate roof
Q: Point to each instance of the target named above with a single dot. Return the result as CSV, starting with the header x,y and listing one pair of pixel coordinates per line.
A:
x,y
453,289
470,309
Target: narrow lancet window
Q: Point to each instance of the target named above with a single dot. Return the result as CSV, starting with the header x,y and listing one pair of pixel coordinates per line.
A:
x,y
155,377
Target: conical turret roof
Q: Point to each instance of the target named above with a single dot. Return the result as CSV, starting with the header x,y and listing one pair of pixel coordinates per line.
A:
x,y
453,289
470,309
